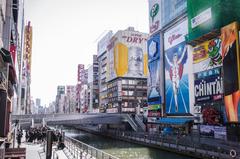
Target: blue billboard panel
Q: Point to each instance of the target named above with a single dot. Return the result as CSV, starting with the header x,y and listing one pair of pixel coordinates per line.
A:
x,y
154,90
176,79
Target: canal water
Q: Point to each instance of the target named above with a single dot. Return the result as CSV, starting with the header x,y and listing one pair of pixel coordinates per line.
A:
x,y
121,149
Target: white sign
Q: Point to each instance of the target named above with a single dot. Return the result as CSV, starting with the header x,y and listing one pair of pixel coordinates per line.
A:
x,y
201,18
128,109
176,35
112,110
154,16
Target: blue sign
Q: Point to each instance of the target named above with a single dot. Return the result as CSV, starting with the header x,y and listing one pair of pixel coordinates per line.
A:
x,y
154,90
176,79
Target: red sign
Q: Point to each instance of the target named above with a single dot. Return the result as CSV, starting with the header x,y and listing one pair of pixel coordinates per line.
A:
x,y
13,52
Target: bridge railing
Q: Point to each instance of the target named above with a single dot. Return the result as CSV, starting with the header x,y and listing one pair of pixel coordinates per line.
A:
x,y
79,149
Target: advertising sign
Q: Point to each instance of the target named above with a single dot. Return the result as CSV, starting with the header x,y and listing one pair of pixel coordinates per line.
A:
x,y
154,90
176,70
213,131
154,113
231,74
208,86
102,44
127,55
171,9
207,55
154,15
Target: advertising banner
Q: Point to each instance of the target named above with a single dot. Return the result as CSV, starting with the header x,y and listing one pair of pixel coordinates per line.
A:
x,y
230,57
154,107
127,55
154,16
208,86
207,55
154,89
218,132
170,9
176,70
153,113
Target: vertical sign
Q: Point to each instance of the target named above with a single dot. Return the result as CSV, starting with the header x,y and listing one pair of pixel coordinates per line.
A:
x,y
176,70
154,16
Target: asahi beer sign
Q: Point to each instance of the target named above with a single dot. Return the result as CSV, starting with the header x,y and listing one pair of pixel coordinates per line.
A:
x,y
208,86
154,16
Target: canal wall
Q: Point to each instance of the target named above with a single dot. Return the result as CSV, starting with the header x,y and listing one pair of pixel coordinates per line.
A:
x,y
168,144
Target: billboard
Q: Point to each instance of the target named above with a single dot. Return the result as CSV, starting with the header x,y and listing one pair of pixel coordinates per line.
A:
x,y
127,55
177,66
154,88
208,86
207,55
231,74
170,9
154,16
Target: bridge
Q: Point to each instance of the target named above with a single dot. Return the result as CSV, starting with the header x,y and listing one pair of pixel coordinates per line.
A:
x,y
76,119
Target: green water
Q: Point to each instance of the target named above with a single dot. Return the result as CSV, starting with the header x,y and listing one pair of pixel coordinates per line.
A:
x,y
121,149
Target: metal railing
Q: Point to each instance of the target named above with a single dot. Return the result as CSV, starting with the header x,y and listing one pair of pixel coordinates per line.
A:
x,y
131,122
184,144
81,150
140,122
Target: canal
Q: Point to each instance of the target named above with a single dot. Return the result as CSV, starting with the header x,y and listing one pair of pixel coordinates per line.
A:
x,y
121,149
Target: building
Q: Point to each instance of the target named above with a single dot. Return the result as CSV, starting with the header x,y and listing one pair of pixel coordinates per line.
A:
x,y
81,81
59,104
93,93
71,92
127,72
102,72
11,52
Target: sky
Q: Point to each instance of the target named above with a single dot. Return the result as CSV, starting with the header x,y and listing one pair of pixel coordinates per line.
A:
x,y
66,32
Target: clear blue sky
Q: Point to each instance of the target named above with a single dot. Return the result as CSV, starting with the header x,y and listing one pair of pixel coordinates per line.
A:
x,y
65,33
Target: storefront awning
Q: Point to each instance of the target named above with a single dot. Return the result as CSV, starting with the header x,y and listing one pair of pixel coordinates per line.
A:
x,y
174,121
6,55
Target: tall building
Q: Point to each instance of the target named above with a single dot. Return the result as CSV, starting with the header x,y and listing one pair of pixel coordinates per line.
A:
x,y
102,75
71,93
59,96
127,72
11,51
81,81
93,86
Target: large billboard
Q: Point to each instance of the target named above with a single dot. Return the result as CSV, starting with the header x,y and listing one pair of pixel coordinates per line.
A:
x,y
154,88
154,16
170,9
208,86
127,55
230,57
207,55
177,66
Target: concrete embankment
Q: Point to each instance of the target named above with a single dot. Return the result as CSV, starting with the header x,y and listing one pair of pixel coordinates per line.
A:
x,y
174,146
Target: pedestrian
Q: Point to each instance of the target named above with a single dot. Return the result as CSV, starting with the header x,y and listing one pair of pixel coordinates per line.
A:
x,y
19,137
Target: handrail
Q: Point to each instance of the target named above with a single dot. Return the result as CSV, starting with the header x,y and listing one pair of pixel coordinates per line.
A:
x,y
139,121
131,122
78,148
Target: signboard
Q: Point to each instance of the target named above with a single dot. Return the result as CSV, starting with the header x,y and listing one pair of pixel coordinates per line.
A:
x,y
154,107
201,18
208,86
207,55
112,110
170,9
154,113
231,74
176,70
102,44
154,16
218,132
128,109
154,88
127,55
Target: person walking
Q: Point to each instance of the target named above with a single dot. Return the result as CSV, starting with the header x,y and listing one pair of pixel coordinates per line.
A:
x,y
19,137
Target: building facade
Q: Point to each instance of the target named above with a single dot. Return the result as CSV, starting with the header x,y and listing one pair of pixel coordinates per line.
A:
x,y
127,72
93,93
102,72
